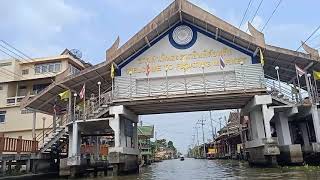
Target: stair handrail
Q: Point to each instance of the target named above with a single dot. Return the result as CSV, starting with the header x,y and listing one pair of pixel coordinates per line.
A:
x,y
49,130
289,93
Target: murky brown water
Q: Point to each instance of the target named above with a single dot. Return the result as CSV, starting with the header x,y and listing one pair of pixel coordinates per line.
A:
x,y
216,169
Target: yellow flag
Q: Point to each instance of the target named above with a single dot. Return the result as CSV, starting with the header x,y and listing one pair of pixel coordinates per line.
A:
x,y
112,71
261,57
65,95
316,75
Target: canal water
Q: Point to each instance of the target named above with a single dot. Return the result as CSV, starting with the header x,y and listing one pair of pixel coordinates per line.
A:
x,y
194,169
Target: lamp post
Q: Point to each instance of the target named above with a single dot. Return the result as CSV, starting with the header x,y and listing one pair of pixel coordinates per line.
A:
x,y
74,105
277,69
309,87
99,85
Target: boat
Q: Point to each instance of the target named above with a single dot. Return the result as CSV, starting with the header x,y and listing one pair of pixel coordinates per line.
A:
x,y
181,158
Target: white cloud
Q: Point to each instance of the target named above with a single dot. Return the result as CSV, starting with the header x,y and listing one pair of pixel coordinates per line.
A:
x,y
33,25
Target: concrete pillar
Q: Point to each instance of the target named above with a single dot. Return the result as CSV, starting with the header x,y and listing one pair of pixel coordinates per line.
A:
x,y
115,125
257,124
3,167
282,127
135,135
267,116
28,166
75,133
305,136
316,122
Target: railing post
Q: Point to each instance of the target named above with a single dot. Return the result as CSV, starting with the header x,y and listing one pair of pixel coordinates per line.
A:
x,y
243,77
167,85
204,80
19,145
2,142
43,127
130,73
99,86
185,81
34,145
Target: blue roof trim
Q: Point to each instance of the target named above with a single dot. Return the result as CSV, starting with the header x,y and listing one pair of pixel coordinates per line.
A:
x,y
195,29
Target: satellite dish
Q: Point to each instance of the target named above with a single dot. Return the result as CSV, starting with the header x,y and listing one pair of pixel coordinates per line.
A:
x,y
76,53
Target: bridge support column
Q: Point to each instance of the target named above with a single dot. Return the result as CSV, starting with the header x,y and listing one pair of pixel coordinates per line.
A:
x,y
289,153
74,148
316,124
261,146
124,155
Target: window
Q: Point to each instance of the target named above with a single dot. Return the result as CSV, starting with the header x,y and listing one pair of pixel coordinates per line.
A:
x,y
37,88
47,67
2,116
25,71
5,64
51,67
73,69
57,67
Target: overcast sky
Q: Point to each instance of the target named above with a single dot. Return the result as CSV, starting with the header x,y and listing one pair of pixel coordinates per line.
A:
x,y
44,28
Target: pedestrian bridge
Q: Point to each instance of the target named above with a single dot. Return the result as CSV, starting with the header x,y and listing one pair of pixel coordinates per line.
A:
x,y
186,60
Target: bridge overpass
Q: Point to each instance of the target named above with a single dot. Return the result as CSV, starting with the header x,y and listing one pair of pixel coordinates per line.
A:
x,y
174,65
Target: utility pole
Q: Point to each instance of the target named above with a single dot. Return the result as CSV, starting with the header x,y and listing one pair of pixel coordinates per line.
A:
x,y
201,122
196,127
211,126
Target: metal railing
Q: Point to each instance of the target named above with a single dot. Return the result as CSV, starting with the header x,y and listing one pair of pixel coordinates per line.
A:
x,y
93,106
241,77
50,130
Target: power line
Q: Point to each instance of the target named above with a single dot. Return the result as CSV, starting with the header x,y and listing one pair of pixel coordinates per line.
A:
x,y
245,13
309,37
255,14
271,15
17,50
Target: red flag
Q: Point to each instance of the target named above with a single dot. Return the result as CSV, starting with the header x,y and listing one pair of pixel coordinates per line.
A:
x,y
148,70
83,91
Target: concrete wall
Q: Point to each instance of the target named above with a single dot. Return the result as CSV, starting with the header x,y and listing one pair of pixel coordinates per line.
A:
x,y
17,124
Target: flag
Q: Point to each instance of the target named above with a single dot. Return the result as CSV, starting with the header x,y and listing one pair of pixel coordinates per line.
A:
x,y
316,75
300,71
261,57
148,70
222,64
83,91
112,71
65,95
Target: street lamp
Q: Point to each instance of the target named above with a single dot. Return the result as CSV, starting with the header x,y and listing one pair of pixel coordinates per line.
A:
x,y
99,85
277,69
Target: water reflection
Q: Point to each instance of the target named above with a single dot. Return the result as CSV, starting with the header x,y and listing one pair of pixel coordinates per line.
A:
x,y
216,169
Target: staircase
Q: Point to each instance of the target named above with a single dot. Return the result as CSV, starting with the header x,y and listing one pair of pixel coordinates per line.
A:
x,y
55,139
284,94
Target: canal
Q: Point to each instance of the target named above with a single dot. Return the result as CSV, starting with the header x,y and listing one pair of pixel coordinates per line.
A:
x,y
216,169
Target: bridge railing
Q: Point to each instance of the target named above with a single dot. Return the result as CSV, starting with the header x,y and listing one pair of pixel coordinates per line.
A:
x,y
240,77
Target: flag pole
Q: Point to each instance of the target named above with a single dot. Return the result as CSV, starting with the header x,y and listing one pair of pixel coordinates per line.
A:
x,y
300,97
